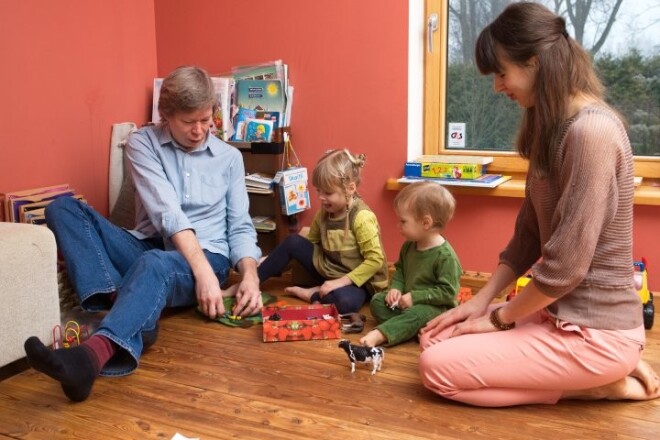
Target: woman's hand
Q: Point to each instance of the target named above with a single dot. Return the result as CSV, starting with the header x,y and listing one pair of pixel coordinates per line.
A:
x,y
474,309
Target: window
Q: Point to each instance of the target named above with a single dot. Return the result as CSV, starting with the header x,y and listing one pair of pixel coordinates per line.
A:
x,y
619,34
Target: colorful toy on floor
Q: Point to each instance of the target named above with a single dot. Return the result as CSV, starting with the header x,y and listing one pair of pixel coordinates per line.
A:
x,y
641,284
364,355
71,335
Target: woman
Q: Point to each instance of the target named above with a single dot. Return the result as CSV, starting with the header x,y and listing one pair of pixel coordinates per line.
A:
x,y
576,330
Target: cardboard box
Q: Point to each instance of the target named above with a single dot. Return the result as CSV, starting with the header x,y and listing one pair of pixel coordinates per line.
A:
x,y
447,167
441,170
294,195
301,323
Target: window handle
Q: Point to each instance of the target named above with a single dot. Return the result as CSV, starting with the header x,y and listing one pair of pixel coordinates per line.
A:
x,y
431,26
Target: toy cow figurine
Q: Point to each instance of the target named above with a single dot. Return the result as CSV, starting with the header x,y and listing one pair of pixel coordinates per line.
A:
x,y
362,354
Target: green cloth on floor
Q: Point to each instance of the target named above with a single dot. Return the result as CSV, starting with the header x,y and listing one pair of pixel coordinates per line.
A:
x,y
245,321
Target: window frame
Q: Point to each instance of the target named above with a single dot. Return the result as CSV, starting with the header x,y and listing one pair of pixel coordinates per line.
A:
x,y
435,68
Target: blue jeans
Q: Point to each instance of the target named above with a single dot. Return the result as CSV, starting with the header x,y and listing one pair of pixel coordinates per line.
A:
x,y
102,258
347,299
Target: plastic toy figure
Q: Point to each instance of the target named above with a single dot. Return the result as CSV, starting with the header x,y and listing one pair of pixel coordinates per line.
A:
x,y
363,354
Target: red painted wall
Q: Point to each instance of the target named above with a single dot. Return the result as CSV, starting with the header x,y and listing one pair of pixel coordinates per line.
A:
x,y
70,70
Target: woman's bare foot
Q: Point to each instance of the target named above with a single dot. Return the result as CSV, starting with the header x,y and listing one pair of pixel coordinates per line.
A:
x,y
230,291
641,384
303,293
373,338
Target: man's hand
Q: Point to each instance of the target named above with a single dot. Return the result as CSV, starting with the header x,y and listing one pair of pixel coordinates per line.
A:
x,y
248,294
248,299
209,295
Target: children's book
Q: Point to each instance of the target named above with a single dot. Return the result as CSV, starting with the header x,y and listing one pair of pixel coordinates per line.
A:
x,y
264,223
241,122
11,213
223,128
270,116
485,181
259,180
268,70
258,130
260,95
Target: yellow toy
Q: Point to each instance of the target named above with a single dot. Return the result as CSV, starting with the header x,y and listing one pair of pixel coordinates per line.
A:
x,y
641,284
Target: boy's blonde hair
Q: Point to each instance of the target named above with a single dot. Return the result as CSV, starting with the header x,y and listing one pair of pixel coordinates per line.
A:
x,y
426,198
337,169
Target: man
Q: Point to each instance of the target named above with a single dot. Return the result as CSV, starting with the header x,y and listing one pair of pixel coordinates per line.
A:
x,y
192,226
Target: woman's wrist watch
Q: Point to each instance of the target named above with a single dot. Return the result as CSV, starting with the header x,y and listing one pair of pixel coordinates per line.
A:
x,y
497,323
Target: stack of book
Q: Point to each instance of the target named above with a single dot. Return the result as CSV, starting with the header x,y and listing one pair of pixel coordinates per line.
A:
x,y
264,223
253,102
259,183
28,206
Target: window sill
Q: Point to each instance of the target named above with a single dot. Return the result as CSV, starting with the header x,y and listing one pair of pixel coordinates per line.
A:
x,y
648,193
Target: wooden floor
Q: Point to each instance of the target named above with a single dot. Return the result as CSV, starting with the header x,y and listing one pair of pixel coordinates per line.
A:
x,y
203,379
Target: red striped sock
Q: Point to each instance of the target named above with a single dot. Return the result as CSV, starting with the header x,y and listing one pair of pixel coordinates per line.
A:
x,y
101,350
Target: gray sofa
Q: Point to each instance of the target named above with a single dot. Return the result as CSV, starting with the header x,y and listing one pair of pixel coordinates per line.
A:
x,y
28,287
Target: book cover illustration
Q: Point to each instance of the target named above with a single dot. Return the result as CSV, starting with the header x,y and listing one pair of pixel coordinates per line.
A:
x,y
260,95
258,130
223,127
241,122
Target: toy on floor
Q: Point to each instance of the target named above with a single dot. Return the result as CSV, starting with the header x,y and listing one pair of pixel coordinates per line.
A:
x,y
362,354
352,322
641,284
71,335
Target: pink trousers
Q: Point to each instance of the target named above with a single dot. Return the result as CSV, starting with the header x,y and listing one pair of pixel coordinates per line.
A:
x,y
533,363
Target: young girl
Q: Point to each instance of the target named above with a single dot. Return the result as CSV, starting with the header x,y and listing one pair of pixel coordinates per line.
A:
x,y
575,331
343,252
428,270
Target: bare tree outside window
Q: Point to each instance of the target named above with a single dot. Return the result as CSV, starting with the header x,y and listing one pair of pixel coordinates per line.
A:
x,y
622,37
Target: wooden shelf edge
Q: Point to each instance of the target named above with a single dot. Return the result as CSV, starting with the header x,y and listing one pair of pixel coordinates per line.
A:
x,y
644,194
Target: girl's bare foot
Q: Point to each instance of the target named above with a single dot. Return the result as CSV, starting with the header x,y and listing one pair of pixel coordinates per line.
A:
x,y
641,384
230,291
303,293
373,338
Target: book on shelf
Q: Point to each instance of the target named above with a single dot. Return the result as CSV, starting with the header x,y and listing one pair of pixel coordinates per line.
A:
x,y
258,130
15,199
268,70
264,223
259,180
260,95
484,181
155,116
243,116
223,125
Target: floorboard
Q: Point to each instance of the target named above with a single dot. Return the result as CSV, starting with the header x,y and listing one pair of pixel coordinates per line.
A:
x,y
205,380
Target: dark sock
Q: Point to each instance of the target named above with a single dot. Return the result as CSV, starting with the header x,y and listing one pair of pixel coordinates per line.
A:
x,y
72,367
75,368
